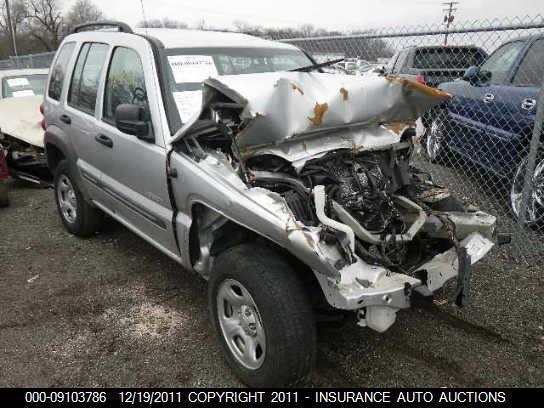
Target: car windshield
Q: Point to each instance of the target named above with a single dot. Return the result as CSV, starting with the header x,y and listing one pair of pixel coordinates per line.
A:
x,y
189,67
456,58
23,85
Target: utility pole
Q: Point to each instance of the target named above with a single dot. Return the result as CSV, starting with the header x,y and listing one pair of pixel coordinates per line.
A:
x,y
11,30
449,17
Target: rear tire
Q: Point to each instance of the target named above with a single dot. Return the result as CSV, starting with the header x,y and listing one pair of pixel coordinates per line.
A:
x,y
78,216
257,301
4,196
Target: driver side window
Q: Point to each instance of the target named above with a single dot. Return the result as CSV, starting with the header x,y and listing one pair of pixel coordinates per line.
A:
x,y
501,61
125,82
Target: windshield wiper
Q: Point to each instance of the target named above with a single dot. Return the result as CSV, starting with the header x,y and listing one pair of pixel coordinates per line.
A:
x,y
309,68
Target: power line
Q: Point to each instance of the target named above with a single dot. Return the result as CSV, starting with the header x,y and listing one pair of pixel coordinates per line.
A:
x,y
449,17
11,29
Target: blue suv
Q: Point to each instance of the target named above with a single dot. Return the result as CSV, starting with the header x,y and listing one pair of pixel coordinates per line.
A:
x,y
490,119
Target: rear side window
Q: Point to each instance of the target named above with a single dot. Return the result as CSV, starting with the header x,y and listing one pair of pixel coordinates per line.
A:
x,y
531,70
455,58
86,77
58,72
125,82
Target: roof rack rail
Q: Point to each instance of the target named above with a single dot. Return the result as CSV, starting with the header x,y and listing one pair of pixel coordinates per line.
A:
x,y
122,27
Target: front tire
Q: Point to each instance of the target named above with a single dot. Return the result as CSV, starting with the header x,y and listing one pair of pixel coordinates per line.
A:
x,y
534,214
262,316
77,215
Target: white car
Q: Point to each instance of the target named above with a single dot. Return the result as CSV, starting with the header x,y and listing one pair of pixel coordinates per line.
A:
x,y
21,131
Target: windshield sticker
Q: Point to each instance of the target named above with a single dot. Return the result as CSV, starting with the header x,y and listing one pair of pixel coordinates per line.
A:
x,y
26,92
15,82
188,103
192,68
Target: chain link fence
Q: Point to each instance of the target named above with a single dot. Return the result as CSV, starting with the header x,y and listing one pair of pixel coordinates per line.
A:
x,y
41,60
484,144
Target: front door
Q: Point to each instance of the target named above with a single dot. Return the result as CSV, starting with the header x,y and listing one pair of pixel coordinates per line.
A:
x,y
134,170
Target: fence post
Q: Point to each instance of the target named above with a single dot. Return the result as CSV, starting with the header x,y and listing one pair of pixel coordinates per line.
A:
x,y
531,159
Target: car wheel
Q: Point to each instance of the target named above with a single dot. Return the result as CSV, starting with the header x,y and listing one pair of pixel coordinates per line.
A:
x,y
435,138
78,216
534,214
262,315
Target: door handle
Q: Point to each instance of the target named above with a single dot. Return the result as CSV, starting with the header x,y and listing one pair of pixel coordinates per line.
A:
x,y
488,98
528,103
105,140
66,119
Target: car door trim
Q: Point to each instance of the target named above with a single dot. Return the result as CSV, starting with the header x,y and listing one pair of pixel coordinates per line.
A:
x,y
125,201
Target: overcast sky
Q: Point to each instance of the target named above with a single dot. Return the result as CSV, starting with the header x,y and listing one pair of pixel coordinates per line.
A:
x,y
330,14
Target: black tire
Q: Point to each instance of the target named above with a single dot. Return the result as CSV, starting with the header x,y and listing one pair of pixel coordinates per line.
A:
x,y
283,307
434,140
87,219
4,196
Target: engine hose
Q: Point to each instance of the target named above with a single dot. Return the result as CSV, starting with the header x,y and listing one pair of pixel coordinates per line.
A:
x,y
319,200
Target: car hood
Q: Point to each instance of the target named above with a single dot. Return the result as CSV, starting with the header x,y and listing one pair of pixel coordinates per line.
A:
x,y
286,107
20,118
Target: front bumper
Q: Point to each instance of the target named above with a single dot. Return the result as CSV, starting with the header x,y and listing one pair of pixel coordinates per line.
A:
x,y
363,285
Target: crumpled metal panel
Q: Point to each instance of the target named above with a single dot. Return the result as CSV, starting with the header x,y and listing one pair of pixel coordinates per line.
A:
x,y
282,106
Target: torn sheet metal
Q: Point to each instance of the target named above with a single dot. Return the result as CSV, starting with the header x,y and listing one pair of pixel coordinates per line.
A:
x,y
284,106
20,118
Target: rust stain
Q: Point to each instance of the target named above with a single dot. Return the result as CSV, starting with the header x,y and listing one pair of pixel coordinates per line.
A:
x,y
410,84
399,127
304,147
345,93
285,149
297,88
319,111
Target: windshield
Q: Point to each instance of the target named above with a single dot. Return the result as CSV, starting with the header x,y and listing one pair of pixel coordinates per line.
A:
x,y
457,58
23,85
189,67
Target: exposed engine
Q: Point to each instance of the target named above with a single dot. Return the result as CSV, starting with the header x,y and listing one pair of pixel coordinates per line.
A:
x,y
362,188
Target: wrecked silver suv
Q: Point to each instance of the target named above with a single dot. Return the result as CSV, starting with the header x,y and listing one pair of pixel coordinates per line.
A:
x,y
290,190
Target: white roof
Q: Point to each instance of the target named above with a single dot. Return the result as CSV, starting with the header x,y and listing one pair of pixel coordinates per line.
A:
x,y
23,72
178,38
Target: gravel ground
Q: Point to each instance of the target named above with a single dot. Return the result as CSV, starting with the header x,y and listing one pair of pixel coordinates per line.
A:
x,y
113,311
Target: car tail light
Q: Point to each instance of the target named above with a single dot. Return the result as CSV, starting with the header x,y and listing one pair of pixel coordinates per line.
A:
x,y
421,79
41,108
4,174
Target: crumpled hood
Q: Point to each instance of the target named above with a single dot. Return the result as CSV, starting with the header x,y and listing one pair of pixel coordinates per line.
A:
x,y
20,118
284,106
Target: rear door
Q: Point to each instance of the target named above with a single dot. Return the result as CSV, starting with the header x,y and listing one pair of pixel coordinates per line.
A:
x,y
78,115
513,110
134,170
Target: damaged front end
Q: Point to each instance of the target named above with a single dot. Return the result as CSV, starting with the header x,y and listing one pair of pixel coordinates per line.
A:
x,y
21,135
320,165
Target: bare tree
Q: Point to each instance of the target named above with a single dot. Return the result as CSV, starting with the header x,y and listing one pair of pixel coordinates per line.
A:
x,y
45,22
82,11
18,13
164,23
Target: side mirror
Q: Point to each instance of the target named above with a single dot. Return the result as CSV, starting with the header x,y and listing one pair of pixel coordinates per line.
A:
x,y
133,120
471,74
475,75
